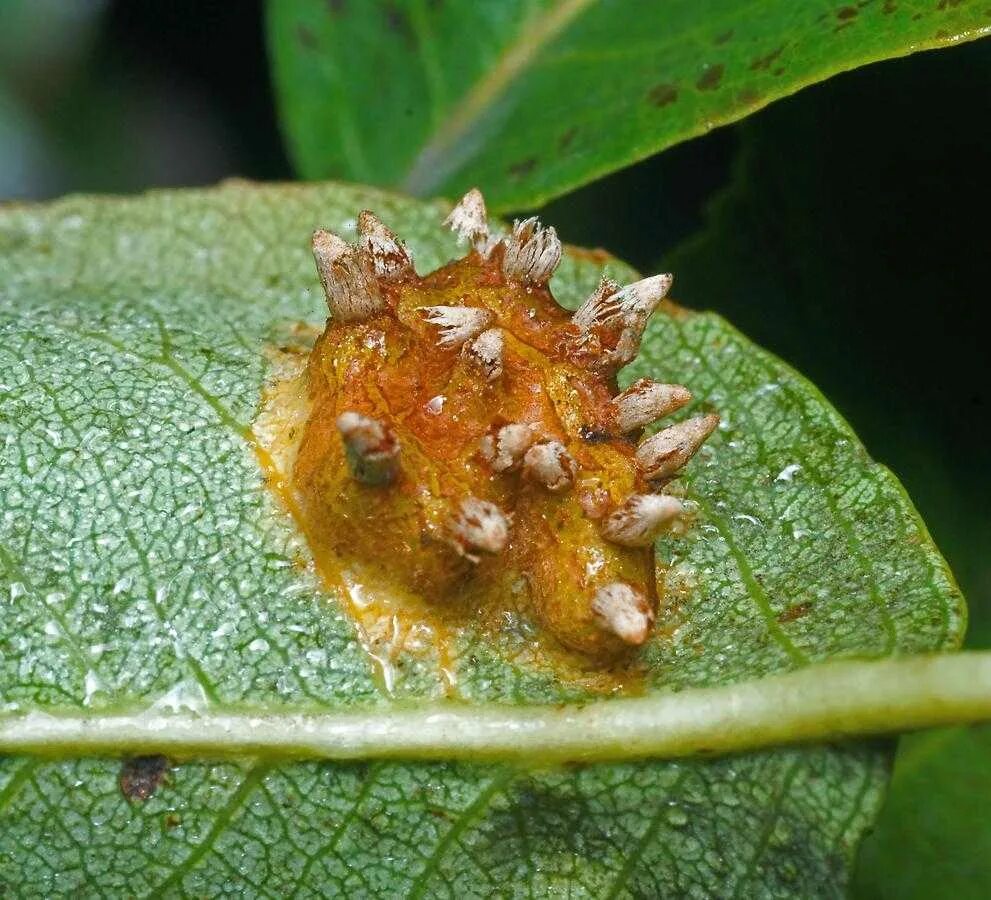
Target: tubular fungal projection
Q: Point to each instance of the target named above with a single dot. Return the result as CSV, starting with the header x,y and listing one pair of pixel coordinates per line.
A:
x,y
465,432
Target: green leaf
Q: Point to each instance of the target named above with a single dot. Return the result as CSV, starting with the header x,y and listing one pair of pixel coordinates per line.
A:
x,y
145,566
789,230
531,98
932,838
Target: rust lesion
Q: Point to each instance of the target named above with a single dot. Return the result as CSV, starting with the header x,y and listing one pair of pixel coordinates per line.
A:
x,y
141,776
455,447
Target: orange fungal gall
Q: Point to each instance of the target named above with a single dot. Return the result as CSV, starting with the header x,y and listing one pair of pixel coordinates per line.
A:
x,y
462,426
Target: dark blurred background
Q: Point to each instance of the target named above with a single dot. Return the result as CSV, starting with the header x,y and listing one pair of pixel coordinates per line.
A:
x,y
846,228
120,96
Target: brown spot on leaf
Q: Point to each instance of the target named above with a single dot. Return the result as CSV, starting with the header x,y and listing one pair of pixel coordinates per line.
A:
x,y
889,7
845,13
567,138
724,37
140,776
710,78
750,97
440,813
172,821
307,40
764,62
336,7
794,612
662,94
523,167
942,35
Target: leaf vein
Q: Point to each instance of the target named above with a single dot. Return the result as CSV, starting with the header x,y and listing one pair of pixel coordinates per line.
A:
x,y
769,823
634,857
250,782
469,815
17,782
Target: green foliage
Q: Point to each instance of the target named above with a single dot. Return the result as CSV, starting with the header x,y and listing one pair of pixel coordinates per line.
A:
x,y
530,98
839,256
143,562
932,838
840,241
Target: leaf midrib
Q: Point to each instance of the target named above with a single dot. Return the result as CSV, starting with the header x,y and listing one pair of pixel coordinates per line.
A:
x,y
833,700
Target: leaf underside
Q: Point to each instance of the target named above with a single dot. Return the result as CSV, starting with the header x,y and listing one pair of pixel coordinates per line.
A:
x,y
531,98
143,561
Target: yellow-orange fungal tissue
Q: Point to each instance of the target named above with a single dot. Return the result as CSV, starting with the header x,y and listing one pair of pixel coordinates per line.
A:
x,y
463,425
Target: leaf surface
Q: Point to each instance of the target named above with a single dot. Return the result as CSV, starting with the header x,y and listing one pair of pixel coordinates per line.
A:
x,y
144,563
531,98
791,227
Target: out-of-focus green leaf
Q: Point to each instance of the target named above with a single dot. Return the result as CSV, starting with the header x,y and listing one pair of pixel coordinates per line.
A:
x,y
932,837
531,98
38,37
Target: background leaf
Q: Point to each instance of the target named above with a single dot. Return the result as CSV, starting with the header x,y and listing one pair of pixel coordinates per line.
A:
x,y
144,562
531,98
932,838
